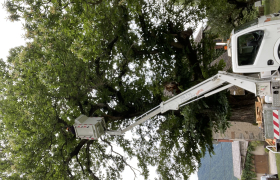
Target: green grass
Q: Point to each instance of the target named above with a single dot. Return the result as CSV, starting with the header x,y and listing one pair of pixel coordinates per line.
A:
x,y
277,156
271,6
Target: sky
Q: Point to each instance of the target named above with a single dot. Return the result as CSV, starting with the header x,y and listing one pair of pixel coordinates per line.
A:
x,y
11,35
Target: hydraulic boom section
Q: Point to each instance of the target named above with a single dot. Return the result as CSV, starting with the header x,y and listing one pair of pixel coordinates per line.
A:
x,y
213,85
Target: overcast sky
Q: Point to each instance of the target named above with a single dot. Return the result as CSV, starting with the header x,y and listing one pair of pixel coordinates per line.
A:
x,y
11,35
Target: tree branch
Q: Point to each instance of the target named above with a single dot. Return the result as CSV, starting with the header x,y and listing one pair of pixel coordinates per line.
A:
x,y
108,52
69,172
143,25
76,150
123,69
238,4
177,45
59,120
122,158
116,93
95,107
80,163
144,52
183,38
111,45
88,161
94,3
81,107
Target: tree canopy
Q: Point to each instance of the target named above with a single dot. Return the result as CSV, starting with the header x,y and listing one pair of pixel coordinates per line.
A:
x,y
225,15
109,59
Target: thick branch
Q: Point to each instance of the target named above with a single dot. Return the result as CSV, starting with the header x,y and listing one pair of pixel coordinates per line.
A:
x,y
144,26
76,150
95,107
81,107
94,3
177,45
59,120
191,53
97,66
242,108
88,161
111,45
116,93
69,172
238,4
123,70
80,164
108,52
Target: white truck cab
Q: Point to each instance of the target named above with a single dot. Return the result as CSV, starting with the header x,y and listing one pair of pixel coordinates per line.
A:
x,y
255,46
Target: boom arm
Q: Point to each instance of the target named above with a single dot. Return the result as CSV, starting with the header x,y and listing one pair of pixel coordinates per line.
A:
x,y
203,89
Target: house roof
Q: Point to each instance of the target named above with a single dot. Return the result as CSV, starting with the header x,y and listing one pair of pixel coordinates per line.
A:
x,y
199,35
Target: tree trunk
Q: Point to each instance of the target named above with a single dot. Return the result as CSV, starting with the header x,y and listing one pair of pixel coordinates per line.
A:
x,y
239,4
243,108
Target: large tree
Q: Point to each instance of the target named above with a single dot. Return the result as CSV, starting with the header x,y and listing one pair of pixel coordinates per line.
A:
x,y
109,59
225,15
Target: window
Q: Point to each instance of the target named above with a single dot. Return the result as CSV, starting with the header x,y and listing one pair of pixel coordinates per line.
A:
x,y
248,47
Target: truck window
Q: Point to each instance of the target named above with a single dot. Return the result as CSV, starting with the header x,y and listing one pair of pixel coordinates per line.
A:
x,y
248,46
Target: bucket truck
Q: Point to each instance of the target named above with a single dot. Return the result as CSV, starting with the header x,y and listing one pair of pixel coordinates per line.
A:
x,y
254,47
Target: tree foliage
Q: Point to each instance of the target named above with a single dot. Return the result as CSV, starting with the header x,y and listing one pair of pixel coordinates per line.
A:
x,y
225,15
109,59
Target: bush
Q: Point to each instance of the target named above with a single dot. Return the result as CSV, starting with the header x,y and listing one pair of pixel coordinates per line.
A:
x,y
247,173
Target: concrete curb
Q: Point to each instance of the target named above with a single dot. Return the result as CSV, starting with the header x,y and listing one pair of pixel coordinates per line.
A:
x,y
272,163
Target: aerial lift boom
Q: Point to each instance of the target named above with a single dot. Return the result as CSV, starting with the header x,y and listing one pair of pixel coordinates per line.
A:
x,y
213,85
253,47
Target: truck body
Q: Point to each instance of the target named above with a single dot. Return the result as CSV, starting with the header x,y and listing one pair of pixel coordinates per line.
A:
x,y
255,45
269,177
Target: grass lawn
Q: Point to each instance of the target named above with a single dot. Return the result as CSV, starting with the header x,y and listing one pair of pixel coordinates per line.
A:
x,y
271,6
277,156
